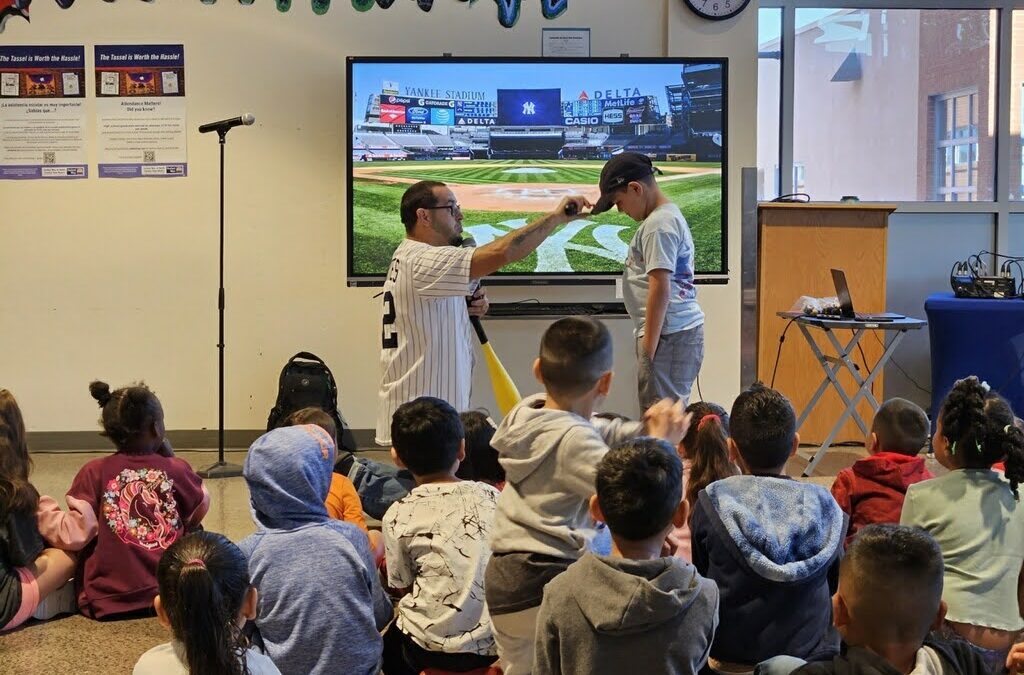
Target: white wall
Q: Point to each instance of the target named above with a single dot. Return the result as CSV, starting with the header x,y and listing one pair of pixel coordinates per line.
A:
x,y
117,279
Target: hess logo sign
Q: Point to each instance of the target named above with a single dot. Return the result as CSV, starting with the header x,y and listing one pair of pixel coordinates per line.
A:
x,y
613,116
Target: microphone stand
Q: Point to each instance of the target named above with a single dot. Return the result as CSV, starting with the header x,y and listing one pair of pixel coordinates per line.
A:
x,y
221,469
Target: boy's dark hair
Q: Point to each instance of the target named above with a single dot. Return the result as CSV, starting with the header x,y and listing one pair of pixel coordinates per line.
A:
x,y
127,411
980,427
426,434
203,579
419,195
901,426
481,461
707,448
639,487
894,577
317,416
574,353
763,426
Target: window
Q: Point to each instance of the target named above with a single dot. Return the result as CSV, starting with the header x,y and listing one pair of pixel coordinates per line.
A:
x,y
876,92
799,177
956,152
769,89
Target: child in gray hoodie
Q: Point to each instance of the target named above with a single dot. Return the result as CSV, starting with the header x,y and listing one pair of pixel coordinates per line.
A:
x,y
549,446
634,610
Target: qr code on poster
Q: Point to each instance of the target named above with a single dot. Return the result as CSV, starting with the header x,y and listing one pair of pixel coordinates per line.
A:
x,y
49,158
148,155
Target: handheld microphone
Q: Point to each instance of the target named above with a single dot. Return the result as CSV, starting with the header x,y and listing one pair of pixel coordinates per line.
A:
x,y
224,125
571,209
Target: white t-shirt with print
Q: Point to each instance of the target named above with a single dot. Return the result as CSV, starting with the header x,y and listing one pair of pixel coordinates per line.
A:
x,y
437,542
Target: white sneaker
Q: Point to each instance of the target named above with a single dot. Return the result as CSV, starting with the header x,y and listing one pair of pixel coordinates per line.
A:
x,y
61,601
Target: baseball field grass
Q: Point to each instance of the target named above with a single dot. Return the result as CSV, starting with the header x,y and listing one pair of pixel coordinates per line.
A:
x,y
500,195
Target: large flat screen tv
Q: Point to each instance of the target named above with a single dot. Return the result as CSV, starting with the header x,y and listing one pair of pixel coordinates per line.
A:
x,y
511,136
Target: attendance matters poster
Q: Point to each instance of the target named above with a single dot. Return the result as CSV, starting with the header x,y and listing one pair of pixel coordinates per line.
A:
x,y
42,118
140,111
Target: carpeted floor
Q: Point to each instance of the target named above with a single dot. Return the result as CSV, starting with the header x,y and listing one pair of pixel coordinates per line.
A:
x,y
74,644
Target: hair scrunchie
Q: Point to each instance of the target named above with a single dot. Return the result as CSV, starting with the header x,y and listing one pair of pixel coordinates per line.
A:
x,y
706,418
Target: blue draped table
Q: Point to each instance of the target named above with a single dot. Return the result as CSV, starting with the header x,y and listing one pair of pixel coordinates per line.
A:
x,y
976,337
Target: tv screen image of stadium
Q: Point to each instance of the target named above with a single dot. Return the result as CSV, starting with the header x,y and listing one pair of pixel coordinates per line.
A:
x,y
511,137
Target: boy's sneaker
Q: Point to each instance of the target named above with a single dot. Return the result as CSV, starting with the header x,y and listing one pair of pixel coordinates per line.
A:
x,y
61,601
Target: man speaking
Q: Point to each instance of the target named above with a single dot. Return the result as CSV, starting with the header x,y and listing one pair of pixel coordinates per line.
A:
x,y
426,336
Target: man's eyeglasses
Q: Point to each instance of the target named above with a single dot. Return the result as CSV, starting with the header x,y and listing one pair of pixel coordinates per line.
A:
x,y
452,208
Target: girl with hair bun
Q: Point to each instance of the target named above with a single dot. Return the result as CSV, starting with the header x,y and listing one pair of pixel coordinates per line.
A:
x,y
975,514
205,599
705,454
126,509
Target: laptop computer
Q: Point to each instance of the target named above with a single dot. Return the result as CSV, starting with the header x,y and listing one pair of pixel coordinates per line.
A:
x,y
846,302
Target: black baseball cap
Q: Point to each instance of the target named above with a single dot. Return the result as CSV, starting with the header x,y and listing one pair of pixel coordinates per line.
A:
x,y
618,172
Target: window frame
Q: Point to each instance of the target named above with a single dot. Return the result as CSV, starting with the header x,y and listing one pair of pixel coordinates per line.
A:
x,y
1001,207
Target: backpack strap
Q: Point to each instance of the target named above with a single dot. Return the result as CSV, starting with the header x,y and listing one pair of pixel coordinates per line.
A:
x,y
309,356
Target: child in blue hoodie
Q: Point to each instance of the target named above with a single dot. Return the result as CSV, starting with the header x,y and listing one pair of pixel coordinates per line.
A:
x,y
321,605
771,543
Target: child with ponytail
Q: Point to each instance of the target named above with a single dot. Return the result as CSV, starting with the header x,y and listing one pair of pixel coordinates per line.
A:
x,y
205,599
705,454
125,509
975,515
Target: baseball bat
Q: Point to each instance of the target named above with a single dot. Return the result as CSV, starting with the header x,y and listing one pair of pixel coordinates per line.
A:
x,y
505,392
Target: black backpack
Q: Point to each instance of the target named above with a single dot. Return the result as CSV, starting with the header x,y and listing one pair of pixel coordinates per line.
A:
x,y
309,383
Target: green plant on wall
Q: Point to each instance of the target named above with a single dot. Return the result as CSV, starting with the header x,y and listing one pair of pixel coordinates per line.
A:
x,y
508,10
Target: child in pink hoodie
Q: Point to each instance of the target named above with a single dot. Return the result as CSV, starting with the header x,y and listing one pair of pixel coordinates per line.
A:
x,y
873,489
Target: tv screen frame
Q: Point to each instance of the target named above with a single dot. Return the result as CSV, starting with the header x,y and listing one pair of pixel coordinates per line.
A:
x,y
353,278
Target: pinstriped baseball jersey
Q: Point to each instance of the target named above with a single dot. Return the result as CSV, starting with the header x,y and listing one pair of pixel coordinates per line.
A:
x,y
426,337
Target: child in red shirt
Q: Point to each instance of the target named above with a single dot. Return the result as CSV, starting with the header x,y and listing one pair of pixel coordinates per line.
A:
x,y
873,489
126,509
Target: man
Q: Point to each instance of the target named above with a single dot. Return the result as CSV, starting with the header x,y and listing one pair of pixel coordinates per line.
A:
x,y
426,337
657,282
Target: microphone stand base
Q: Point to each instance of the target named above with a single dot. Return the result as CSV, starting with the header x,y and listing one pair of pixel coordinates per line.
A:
x,y
221,470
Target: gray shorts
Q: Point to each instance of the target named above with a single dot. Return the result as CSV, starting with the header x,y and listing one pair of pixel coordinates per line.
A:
x,y
674,368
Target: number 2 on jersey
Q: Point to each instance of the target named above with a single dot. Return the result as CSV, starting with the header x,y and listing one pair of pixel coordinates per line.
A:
x,y
389,336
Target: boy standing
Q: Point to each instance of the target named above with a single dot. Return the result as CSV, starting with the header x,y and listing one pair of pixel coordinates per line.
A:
x,y
634,610
772,544
549,448
437,543
889,598
873,489
657,282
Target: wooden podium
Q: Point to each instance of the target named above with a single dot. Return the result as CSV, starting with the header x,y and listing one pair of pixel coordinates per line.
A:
x,y
798,245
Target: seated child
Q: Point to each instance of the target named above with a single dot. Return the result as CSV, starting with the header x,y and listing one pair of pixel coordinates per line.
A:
x,y
342,499
437,541
873,489
481,459
974,514
773,544
889,597
321,604
144,497
549,447
205,599
635,610
29,571
705,453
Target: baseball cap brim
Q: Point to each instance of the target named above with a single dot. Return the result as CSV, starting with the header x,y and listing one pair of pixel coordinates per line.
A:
x,y
603,204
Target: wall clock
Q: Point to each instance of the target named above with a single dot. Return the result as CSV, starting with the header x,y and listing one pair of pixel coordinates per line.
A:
x,y
717,10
